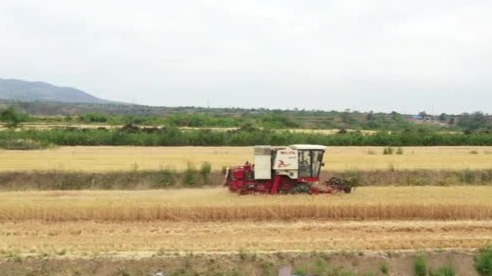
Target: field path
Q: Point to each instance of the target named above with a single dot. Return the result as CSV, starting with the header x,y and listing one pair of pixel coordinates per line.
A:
x,y
145,239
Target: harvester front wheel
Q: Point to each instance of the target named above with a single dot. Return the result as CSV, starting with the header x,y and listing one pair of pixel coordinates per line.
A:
x,y
301,188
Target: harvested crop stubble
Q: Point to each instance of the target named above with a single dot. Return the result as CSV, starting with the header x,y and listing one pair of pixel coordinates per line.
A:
x,y
143,239
217,204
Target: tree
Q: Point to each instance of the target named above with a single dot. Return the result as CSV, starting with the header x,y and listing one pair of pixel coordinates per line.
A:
x,y
451,121
474,121
12,118
370,116
443,117
347,117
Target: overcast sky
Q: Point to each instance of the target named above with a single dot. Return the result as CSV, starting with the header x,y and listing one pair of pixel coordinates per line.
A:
x,y
381,55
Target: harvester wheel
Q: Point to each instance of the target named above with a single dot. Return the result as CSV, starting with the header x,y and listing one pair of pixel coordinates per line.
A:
x,y
248,189
301,188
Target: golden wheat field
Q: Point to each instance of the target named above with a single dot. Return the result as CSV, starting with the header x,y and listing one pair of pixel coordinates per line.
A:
x,y
145,223
218,204
99,159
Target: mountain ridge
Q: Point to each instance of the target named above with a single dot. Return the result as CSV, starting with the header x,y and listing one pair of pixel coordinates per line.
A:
x,y
31,91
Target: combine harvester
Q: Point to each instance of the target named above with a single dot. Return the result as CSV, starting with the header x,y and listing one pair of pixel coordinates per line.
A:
x,y
284,170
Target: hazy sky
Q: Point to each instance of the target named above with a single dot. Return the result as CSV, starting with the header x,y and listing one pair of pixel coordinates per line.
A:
x,y
381,55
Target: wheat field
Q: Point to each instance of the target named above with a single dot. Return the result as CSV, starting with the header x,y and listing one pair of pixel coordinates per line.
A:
x,y
217,204
101,159
145,223
166,222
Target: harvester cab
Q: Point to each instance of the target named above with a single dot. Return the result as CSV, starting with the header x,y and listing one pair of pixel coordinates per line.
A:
x,y
291,169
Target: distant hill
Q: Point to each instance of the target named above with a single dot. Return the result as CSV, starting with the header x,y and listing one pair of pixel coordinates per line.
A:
x,y
19,90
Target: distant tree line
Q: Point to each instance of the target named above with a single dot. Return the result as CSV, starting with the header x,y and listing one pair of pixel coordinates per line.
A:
x,y
173,136
260,118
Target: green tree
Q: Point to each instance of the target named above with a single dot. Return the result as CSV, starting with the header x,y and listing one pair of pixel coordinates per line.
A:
x,y
12,118
443,117
473,121
94,117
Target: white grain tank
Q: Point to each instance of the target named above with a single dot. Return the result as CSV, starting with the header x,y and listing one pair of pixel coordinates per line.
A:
x,y
263,162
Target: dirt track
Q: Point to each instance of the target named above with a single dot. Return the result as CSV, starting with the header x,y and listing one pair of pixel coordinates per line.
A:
x,y
142,239
398,263
143,248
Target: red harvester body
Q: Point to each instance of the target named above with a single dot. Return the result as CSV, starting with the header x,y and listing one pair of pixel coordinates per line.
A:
x,y
284,170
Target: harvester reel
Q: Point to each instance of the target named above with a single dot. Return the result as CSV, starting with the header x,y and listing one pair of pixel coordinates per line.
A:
x,y
339,185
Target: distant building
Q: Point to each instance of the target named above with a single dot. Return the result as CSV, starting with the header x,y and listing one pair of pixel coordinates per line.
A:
x,y
421,119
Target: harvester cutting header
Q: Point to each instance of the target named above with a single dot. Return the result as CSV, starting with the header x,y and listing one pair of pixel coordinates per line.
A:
x,y
286,170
